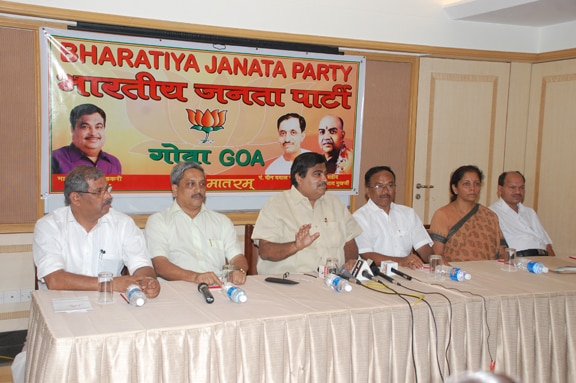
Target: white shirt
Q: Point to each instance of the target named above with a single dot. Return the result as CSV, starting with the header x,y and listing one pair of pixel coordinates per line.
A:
x,y
393,234
521,230
280,165
200,244
61,243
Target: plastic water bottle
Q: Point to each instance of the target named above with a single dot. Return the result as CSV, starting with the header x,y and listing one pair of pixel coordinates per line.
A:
x,y
531,266
135,295
337,283
457,274
234,293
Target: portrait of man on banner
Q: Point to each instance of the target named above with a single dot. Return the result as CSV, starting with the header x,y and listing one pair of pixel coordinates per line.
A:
x,y
134,107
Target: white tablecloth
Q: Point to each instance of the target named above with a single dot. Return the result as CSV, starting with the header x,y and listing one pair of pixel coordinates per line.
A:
x,y
308,333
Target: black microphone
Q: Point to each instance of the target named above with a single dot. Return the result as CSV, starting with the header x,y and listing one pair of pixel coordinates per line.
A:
x,y
368,275
377,272
203,288
403,275
344,273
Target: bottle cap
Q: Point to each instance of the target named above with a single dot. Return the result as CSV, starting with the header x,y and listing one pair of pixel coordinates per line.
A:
x,y
348,287
545,269
243,298
467,276
140,302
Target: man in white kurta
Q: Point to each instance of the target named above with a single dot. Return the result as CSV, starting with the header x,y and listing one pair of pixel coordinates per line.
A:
x,y
73,244
300,228
520,224
390,231
190,242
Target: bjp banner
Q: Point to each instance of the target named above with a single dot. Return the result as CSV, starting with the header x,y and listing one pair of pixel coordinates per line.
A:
x,y
136,106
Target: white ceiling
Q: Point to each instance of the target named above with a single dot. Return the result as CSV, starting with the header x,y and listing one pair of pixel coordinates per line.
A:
x,y
533,13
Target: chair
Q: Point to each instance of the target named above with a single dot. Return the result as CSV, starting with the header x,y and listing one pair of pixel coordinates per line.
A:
x,y
250,250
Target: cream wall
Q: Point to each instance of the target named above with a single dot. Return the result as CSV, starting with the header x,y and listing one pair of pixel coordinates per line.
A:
x,y
414,22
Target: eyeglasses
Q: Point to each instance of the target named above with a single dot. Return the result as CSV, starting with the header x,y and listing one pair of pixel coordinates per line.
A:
x,y
99,192
389,186
193,184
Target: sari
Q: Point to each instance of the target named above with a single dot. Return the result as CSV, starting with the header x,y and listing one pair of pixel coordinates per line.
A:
x,y
477,236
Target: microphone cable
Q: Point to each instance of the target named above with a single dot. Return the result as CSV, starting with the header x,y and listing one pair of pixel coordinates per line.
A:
x,y
436,329
370,285
489,333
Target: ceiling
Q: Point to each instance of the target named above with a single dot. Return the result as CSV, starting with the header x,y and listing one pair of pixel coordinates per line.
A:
x,y
532,13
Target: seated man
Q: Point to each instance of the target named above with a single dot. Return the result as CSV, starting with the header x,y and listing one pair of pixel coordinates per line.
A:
x,y
520,224
74,243
390,231
300,228
189,242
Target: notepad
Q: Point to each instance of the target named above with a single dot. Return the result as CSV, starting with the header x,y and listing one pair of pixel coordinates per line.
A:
x,y
72,304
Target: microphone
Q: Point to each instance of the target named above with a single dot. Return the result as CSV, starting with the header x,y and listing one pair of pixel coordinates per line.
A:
x,y
344,273
403,275
203,288
368,275
360,266
377,272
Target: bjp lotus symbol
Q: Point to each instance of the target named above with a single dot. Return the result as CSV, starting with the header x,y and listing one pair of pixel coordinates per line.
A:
x,y
208,121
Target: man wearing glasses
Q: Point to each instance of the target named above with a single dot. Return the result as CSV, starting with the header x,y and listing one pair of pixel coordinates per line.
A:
x,y
74,243
390,231
188,241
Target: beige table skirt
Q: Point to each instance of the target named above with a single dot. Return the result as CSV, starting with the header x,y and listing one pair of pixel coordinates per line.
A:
x,y
308,333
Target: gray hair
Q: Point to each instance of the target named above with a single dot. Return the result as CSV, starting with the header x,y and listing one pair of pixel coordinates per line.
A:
x,y
77,180
178,171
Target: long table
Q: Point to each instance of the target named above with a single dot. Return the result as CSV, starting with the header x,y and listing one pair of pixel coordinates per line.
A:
x,y
525,323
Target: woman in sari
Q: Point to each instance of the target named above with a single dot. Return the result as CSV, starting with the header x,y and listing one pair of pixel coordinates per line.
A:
x,y
464,230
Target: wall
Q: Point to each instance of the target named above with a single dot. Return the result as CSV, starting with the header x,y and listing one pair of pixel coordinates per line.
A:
x,y
414,22
16,274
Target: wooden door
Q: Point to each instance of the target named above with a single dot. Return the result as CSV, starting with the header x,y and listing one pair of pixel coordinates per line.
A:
x,y
461,120
550,155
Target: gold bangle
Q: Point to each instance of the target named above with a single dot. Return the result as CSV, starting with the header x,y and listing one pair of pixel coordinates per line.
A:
x,y
242,270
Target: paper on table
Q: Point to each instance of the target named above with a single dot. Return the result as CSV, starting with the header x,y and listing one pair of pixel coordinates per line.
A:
x,y
70,305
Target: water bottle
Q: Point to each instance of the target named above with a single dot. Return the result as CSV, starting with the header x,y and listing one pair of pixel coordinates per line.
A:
x,y
459,275
234,293
531,266
135,295
337,283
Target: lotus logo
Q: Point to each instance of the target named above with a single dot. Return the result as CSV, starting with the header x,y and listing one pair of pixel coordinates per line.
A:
x,y
208,121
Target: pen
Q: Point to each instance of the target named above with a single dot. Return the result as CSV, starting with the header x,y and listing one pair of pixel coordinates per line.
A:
x,y
124,297
571,257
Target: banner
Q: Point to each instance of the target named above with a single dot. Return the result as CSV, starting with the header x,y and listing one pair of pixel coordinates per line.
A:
x,y
169,101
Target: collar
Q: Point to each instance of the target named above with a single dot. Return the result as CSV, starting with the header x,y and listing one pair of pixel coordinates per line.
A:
x,y
374,208
176,209
297,198
76,154
508,208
